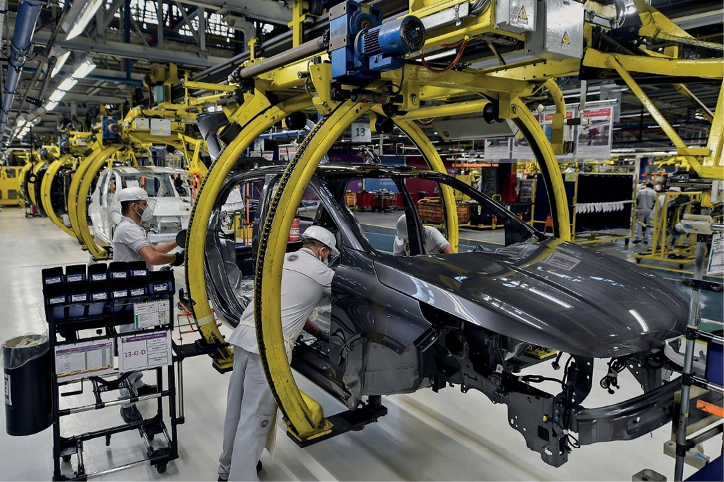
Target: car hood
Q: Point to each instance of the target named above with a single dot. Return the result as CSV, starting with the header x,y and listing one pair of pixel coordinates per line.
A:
x,y
551,293
171,206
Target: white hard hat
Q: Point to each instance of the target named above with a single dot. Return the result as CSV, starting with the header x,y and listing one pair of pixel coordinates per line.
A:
x,y
675,189
132,194
402,227
322,235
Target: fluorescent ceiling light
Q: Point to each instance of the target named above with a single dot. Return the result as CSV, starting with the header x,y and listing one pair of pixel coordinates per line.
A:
x,y
79,16
60,62
67,84
85,68
50,106
57,95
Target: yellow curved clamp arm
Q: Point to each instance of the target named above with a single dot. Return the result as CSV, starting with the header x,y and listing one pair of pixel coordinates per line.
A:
x,y
302,414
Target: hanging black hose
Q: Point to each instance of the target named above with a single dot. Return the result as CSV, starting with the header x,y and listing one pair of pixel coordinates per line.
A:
x,y
615,366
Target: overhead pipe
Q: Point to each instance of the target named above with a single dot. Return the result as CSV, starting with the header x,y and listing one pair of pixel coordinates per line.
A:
x,y
27,17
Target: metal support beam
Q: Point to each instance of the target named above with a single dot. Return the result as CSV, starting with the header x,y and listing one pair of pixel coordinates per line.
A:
x,y
138,31
159,26
187,19
110,13
132,51
184,20
202,29
100,30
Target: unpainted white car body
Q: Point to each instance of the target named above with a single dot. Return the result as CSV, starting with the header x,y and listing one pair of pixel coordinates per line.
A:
x,y
170,188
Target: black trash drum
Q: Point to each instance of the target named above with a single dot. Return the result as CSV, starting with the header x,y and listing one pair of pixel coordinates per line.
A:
x,y
26,364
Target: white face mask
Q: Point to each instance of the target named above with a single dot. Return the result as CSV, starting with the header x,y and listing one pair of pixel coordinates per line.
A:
x,y
146,214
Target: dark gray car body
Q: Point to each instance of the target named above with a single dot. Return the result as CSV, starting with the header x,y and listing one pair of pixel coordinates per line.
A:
x,y
399,324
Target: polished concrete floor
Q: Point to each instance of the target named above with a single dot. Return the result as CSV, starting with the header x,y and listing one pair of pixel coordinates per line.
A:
x,y
425,436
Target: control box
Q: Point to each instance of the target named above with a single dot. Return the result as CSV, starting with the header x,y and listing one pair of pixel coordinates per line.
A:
x,y
558,30
515,16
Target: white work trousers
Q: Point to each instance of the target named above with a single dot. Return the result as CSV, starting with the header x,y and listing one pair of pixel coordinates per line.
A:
x,y
250,410
644,216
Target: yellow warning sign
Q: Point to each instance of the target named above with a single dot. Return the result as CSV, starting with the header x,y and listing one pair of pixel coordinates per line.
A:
x,y
522,15
566,40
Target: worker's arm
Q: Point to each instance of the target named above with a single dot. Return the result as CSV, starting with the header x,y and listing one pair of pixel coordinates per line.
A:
x,y
316,331
164,248
446,250
310,327
155,258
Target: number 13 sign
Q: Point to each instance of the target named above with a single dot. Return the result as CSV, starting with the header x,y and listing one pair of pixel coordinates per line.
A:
x,y
361,132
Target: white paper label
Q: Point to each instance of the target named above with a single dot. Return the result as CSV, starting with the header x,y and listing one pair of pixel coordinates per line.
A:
x,y
8,396
77,298
74,278
84,359
716,257
98,277
144,351
52,281
151,313
119,274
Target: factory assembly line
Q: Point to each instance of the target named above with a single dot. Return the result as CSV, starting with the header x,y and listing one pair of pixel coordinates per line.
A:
x,y
495,315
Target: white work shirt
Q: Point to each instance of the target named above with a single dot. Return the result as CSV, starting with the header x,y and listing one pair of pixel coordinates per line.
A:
x,y
128,239
305,281
645,198
434,243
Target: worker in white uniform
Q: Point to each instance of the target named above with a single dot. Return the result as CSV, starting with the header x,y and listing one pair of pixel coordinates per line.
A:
x,y
251,408
656,217
130,243
435,242
644,211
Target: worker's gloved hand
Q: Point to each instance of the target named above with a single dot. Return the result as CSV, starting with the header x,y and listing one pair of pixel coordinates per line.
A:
x,y
178,258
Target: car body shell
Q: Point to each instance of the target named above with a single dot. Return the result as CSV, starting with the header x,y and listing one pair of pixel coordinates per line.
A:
x,y
172,208
399,324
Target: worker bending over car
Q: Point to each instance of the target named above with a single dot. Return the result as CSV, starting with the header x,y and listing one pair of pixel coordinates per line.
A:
x,y
249,424
130,243
434,242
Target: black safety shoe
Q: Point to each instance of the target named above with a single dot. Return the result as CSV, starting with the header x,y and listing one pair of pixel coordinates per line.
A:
x,y
131,414
146,390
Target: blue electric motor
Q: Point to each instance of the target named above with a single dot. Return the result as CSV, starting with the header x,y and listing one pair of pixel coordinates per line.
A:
x,y
110,128
64,144
361,47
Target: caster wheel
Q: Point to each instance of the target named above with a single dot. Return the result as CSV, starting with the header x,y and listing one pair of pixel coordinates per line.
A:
x,y
161,468
627,242
66,458
681,266
638,260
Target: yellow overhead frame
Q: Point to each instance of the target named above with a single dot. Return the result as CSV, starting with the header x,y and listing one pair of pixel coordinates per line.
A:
x,y
258,123
23,172
33,178
303,415
707,162
45,191
78,193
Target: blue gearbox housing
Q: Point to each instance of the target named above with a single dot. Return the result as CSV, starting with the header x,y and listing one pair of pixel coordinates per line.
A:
x,y
64,144
110,128
360,46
